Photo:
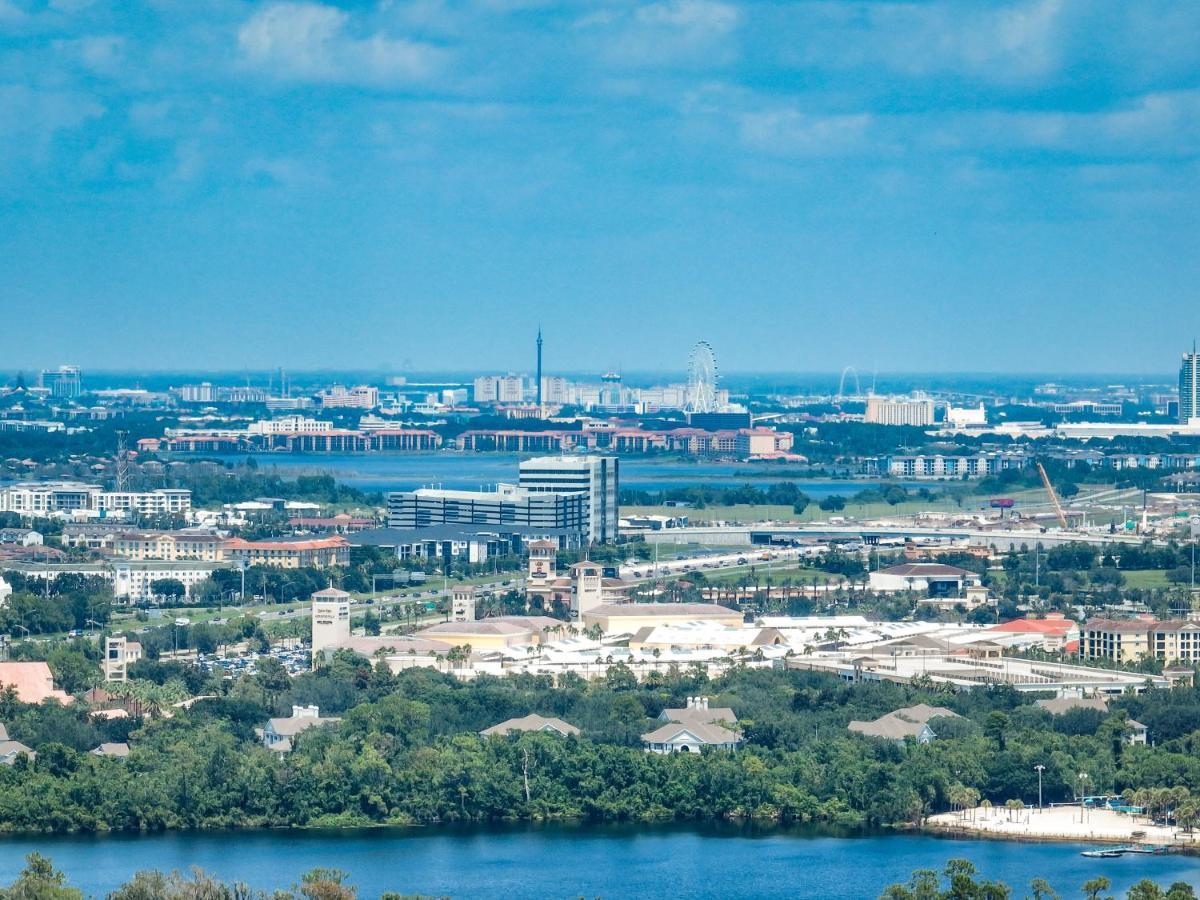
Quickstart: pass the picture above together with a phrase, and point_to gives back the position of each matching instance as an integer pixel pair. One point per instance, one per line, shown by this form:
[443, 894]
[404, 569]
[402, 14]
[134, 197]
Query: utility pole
[122, 480]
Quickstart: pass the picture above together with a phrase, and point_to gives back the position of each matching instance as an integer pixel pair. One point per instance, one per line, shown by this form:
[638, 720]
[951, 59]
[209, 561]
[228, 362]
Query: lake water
[459, 471]
[562, 861]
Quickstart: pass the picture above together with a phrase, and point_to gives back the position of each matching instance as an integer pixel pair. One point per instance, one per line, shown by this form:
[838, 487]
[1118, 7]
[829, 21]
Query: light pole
[1082, 778]
[1040, 769]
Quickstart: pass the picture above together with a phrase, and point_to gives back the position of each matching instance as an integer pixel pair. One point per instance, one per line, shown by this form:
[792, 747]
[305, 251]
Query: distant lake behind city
[462, 471]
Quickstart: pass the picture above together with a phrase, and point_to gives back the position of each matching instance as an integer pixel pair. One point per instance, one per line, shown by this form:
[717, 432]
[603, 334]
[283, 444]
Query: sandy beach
[1060, 823]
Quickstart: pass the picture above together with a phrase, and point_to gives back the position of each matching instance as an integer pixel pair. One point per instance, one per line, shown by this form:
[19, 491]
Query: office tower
[65, 382]
[594, 476]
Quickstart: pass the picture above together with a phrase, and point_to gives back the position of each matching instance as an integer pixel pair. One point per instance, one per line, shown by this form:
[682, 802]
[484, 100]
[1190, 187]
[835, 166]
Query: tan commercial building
[1130, 640]
[493, 634]
[320, 553]
[169, 545]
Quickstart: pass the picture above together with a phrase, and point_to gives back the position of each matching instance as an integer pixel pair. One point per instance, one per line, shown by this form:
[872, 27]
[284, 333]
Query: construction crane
[1058, 510]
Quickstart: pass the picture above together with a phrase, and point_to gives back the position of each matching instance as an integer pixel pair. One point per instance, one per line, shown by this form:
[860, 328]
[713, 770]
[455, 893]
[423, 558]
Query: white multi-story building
[65, 382]
[133, 580]
[965, 417]
[596, 477]
[44, 499]
[289, 425]
[338, 397]
[899, 411]
[161, 501]
[197, 393]
[499, 389]
[556, 390]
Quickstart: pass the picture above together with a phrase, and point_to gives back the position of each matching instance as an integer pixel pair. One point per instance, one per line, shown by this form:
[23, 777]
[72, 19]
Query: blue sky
[907, 186]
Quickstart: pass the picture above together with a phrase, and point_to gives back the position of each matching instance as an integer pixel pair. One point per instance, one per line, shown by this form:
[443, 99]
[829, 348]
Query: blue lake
[560, 861]
[383, 472]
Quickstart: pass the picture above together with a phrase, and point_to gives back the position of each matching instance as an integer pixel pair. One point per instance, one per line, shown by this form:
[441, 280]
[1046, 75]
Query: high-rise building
[1189, 387]
[594, 476]
[65, 382]
[899, 411]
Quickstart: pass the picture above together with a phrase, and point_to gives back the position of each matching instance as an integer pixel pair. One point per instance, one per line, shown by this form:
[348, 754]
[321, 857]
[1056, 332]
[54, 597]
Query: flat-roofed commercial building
[595, 477]
[507, 505]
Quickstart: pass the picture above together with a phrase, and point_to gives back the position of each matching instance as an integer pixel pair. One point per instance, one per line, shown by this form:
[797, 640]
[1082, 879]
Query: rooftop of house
[704, 732]
[10, 749]
[301, 719]
[118, 750]
[901, 723]
[33, 682]
[532, 722]
[1059, 705]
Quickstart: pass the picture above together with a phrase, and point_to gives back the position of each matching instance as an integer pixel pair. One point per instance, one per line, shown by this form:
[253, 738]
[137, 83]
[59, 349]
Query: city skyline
[911, 187]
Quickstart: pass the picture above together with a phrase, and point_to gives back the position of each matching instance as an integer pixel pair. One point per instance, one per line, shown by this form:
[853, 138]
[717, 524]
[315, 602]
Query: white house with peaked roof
[693, 728]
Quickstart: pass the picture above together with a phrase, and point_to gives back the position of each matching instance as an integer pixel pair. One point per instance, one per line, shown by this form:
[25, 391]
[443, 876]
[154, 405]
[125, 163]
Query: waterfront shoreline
[1056, 825]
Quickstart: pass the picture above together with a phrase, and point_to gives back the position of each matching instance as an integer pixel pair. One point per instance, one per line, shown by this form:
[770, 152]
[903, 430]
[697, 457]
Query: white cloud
[31, 120]
[313, 42]
[664, 32]
[998, 42]
[1152, 125]
[102, 54]
[789, 132]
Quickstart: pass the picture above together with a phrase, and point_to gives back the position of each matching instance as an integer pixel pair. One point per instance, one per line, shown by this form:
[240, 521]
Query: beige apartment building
[1130, 640]
[282, 553]
[169, 545]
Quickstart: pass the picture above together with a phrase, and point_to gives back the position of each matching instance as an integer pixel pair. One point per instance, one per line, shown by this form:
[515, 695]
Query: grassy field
[1146, 578]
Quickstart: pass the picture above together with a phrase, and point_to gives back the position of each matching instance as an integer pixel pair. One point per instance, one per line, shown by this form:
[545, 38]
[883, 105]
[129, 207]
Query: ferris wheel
[702, 379]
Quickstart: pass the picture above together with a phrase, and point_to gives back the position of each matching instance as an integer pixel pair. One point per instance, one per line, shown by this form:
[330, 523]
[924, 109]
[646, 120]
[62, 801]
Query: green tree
[39, 880]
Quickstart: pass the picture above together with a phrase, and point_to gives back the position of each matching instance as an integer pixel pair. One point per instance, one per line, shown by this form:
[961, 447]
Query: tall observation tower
[539, 371]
